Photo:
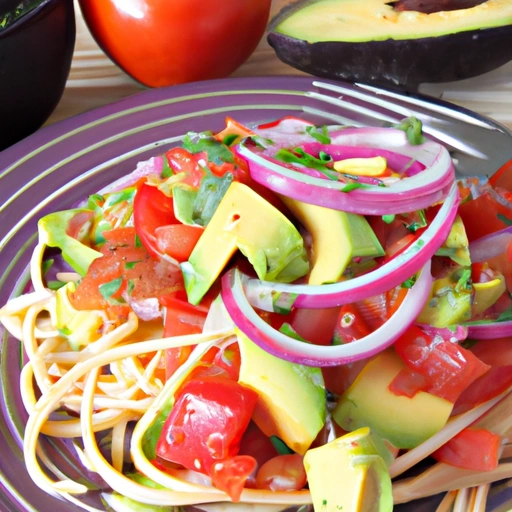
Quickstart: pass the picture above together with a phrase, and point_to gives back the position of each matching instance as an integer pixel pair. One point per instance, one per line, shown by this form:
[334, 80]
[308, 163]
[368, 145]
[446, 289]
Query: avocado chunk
[337, 238]
[404, 422]
[456, 246]
[359, 40]
[349, 474]
[245, 221]
[486, 294]
[79, 327]
[57, 230]
[291, 397]
[448, 304]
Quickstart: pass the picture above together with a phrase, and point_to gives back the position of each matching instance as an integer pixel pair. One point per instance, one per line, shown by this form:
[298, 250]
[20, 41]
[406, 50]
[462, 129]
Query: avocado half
[383, 43]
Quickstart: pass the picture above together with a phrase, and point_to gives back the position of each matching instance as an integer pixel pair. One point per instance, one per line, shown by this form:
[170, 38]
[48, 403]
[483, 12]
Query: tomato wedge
[177, 240]
[472, 448]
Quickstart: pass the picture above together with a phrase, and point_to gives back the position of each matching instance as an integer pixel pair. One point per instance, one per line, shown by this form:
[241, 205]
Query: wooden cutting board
[95, 81]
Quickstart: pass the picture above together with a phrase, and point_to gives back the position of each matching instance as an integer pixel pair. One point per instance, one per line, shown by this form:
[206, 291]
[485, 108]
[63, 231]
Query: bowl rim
[26, 18]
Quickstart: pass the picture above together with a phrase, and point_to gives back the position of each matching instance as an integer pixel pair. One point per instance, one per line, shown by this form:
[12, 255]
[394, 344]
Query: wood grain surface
[95, 81]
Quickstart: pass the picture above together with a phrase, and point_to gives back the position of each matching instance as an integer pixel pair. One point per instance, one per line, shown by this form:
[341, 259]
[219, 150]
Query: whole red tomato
[167, 42]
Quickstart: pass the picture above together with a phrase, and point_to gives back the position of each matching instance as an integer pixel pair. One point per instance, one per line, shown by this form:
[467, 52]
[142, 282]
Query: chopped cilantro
[299, 156]
[131, 286]
[217, 152]
[505, 220]
[412, 127]
[388, 219]
[167, 170]
[55, 285]
[109, 289]
[409, 283]
[280, 446]
[229, 139]
[319, 134]
[464, 282]
[138, 243]
[47, 265]
[352, 186]
[131, 264]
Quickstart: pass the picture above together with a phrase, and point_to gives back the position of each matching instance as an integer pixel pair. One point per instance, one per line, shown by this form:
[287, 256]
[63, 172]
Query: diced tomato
[181, 318]
[230, 475]
[448, 367]
[408, 383]
[151, 210]
[256, 444]
[182, 161]
[484, 215]
[316, 325]
[177, 240]
[472, 448]
[282, 473]
[233, 128]
[498, 354]
[122, 259]
[274, 124]
[502, 178]
[350, 325]
[204, 430]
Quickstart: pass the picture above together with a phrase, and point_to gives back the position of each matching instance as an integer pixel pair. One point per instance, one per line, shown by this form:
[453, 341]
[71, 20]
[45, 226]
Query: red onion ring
[280, 345]
[262, 294]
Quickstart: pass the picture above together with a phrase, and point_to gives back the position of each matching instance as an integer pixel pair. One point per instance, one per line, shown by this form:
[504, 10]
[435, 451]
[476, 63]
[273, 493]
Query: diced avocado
[245, 221]
[404, 422]
[291, 397]
[78, 327]
[349, 474]
[486, 294]
[56, 230]
[447, 305]
[456, 246]
[337, 238]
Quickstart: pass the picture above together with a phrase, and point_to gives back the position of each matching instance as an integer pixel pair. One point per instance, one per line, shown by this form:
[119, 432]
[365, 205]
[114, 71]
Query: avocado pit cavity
[431, 6]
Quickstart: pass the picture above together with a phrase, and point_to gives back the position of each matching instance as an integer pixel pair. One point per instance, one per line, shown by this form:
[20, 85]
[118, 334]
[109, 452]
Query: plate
[59, 166]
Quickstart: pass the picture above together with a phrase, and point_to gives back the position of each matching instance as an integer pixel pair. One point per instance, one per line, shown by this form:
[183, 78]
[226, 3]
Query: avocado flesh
[337, 238]
[349, 474]
[404, 422]
[296, 421]
[245, 221]
[376, 20]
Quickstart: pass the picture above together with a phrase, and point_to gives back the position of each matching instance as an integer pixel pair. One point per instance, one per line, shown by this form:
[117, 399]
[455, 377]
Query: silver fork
[478, 145]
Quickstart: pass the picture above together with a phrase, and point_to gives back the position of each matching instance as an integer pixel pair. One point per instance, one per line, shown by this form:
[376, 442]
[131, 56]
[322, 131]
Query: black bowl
[35, 58]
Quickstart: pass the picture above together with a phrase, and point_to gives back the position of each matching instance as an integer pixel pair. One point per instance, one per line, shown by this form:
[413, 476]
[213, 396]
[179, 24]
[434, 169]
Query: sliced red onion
[280, 345]
[263, 294]
[490, 246]
[426, 186]
[490, 331]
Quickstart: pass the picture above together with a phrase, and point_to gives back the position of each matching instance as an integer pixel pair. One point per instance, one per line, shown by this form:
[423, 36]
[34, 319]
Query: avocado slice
[349, 474]
[245, 221]
[337, 238]
[404, 422]
[291, 397]
[359, 40]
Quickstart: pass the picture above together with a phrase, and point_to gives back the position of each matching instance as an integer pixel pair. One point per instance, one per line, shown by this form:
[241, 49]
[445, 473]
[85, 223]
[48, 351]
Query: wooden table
[95, 81]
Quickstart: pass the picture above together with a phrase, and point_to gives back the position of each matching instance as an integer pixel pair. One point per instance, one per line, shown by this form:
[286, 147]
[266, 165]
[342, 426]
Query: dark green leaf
[505, 220]
[167, 170]
[388, 219]
[217, 152]
[138, 243]
[280, 446]
[114, 198]
[229, 139]
[409, 283]
[464, 282]
[289, 331]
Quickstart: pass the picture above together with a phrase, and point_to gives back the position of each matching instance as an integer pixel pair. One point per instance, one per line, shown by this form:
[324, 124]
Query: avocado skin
[403, 63]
